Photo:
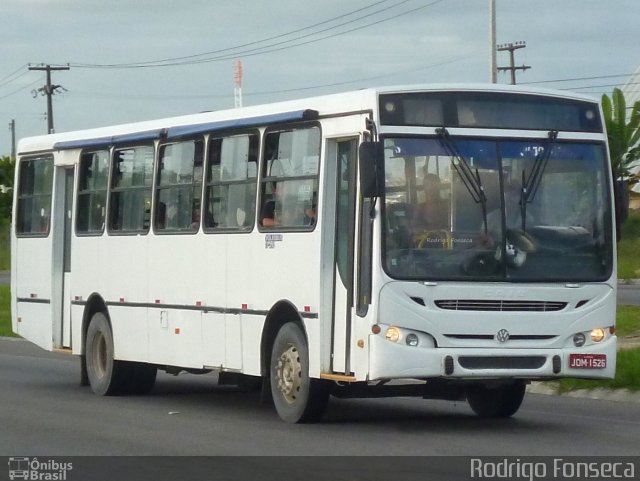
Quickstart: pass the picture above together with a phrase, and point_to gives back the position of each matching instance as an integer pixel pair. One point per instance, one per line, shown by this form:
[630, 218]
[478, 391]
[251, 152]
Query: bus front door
[61, 288]
[343, 265]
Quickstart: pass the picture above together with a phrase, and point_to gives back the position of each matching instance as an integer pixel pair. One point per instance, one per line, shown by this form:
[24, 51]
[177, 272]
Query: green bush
[5, 246]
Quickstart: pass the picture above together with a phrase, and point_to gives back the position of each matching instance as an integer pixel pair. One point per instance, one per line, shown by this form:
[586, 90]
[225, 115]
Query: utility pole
[12, 128]
[511, 47]
[493, 75]
[48, 90]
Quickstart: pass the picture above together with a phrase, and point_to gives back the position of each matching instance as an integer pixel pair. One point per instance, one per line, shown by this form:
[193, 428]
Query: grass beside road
[627, 375]
[628, 363]
[628, 248]
[5, 312]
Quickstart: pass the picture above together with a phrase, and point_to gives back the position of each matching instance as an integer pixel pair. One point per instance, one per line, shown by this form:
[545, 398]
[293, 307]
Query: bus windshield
[499, 210]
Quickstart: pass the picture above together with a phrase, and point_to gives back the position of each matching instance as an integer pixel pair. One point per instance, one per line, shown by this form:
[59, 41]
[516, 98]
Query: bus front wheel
[297, 398]
[501, 401]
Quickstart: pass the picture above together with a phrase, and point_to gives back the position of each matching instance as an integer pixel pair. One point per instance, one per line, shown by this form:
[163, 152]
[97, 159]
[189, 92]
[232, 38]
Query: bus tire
[297, 398]
[496, 402]
[106, 375]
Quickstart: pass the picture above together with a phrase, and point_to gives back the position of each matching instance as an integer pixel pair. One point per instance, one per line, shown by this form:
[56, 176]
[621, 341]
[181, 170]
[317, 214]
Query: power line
[281, 91]
[24, 87]
[7, 79]
[228, 49]
[578, 78]
[601, 86]
[273, 47]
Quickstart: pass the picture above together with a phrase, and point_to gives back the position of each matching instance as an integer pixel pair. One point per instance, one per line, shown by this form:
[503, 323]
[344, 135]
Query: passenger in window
[195, 218]
[309, 218]
[430, 214]
[268, 211]
[161, 216]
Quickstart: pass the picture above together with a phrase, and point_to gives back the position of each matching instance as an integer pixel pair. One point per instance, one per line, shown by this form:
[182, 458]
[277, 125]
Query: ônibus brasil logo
[36, 470]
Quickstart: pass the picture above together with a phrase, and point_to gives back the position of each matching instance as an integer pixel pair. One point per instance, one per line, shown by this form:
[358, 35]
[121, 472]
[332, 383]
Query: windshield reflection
[530, 210]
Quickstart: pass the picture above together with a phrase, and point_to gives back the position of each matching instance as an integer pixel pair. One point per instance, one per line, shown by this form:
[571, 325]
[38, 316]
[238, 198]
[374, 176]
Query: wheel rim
[100, 355]
[289, 374]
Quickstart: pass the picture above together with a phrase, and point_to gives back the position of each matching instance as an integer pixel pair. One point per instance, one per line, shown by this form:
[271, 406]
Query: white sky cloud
[444, 42]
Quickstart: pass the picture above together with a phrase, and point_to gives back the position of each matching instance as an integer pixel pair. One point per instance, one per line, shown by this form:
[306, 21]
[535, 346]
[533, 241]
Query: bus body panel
[201, 300]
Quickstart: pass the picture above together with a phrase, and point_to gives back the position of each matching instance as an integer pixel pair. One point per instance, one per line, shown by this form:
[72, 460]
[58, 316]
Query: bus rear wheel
[106, 375]
[297, 398]
[496, 401]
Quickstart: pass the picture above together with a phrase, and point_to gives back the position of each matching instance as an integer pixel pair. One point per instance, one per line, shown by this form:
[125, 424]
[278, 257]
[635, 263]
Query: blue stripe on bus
[186, 130]
[107, 141]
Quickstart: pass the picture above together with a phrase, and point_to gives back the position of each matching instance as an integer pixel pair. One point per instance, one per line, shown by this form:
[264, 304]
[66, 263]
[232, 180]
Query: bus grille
[501, 362]
[498, 305]
[513, 337]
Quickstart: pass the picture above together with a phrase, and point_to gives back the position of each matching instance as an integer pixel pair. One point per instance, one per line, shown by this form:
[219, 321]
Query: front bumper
[388, 360]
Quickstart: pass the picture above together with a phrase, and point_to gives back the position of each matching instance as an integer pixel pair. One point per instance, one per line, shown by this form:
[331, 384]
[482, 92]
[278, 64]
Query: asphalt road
[46, 412]
[629, 294]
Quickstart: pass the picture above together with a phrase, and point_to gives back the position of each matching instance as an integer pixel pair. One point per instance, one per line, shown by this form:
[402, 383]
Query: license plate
[587, 361]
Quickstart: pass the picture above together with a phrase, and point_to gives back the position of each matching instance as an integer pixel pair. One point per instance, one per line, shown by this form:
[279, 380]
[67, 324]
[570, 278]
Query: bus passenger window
[179, 186]
[231, 183]
[131, 181]
[289, 186]
[92, 192]
[34, 196]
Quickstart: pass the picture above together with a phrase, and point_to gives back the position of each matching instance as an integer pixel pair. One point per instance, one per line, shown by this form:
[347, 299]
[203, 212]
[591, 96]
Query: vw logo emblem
[502, 335]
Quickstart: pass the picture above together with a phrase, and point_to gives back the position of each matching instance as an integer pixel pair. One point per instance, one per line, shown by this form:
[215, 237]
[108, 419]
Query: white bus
[450, 242]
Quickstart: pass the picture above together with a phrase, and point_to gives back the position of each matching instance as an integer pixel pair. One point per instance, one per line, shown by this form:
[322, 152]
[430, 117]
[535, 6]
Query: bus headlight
[579, 339]
[597, 335]
[392, 334]
[402, 336]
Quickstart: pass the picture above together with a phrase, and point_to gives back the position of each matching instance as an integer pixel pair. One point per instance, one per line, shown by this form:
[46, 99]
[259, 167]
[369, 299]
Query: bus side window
[179, 186]
[231, 183]
[34, 196]
[92, 192]
[131, 182]
[289, 184]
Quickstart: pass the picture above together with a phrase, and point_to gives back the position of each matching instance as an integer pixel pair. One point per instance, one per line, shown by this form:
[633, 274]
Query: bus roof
[353, 101]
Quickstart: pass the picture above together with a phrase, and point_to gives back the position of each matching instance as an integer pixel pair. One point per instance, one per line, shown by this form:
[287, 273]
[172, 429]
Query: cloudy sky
[141, 59]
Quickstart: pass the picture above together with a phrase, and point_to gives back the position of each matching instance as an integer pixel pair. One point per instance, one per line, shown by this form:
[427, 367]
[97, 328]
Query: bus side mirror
[371, 157]
[621, 195]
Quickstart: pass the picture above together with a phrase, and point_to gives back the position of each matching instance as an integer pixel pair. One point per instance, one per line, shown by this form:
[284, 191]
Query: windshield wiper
[530, 186]
[471, 181]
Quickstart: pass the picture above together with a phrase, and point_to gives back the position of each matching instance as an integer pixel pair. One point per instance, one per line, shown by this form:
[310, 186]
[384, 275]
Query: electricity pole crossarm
[49, 90]
[511, 47]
